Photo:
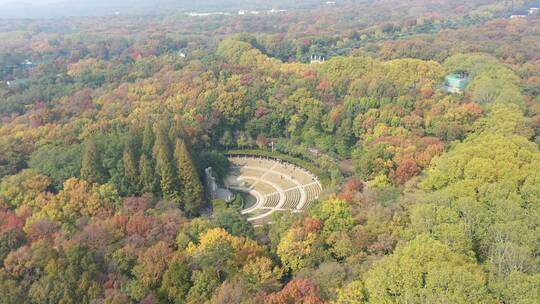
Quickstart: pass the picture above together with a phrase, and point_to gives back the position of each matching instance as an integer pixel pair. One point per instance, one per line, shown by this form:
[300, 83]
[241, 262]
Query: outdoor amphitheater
[276, 185]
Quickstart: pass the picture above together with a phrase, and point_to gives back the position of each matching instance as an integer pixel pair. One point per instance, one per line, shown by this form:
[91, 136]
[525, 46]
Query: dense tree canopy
[430, 196]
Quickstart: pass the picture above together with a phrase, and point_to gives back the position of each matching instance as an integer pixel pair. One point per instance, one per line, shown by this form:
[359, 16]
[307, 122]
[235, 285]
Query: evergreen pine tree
[147, 180]
[167, 178]
[92, 168]
[191, 186]
[148, 138]
[161, 140]
[130, 167]
[174, 132]
[164, 167]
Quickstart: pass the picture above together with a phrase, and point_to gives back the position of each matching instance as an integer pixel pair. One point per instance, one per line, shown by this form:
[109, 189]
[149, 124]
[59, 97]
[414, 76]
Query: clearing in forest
[277, 185]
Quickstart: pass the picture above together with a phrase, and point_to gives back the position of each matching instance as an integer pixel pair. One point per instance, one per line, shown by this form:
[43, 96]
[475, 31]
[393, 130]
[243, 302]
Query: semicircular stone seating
[275, 184]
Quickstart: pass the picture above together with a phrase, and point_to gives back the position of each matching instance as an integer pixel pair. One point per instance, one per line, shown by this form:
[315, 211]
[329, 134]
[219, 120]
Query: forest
[107, 124]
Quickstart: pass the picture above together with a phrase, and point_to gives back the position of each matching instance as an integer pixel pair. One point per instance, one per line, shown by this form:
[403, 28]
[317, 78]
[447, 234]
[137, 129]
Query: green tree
[226, 139]
[168, 181]
[58, 162]
[164, 166]
[219, 162]
[204, 284]
[131, 171]
[234, 222]
[176, 281]
[443, 224]
[191, 231]
[23, 188]
[491, 81]
[490, 183]
[69, 279]
[517, 287]
[11, 290]
[302, 247]
[147, 179]
[215, 251]
[152, 264]
[9, 241]
[148, 138]
[191, 186]
[335, 215]
[426, 271]
[92, 168]
[352, 293]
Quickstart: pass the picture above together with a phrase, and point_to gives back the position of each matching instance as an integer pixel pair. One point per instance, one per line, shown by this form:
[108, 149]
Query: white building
[317, 59]
[245, 12]
[195, 14]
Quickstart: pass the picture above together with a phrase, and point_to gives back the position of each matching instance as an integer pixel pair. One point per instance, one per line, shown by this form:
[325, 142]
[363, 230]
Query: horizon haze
[36, 9]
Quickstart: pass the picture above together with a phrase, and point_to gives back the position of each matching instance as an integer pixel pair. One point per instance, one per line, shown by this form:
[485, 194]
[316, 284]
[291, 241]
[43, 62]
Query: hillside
[347, 168]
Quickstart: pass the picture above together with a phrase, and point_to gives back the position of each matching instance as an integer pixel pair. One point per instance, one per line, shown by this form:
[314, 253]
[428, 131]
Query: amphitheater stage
[277, 186]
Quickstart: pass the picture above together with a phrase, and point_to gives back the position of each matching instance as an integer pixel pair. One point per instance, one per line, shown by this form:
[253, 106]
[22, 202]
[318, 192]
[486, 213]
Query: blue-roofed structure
[456, 83]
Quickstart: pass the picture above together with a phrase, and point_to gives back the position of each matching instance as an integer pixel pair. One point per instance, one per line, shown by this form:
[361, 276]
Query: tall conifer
[191, 186]
[92, 168]
[164, 166]
[148, 138]
[131, 171]
[147, 179]
[167, 178]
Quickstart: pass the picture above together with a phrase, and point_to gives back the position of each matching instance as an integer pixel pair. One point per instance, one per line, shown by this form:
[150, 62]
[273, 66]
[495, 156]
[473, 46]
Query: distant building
[266, 12]
[27, 62]
[317, 59]
[245, 12]
[456, 83]
[195, 14]
[517, 16]
[330, 3]
[534, 11]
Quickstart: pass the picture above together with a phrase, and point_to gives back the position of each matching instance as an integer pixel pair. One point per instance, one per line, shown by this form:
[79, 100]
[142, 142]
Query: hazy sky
[28, 1]
[65, 8]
